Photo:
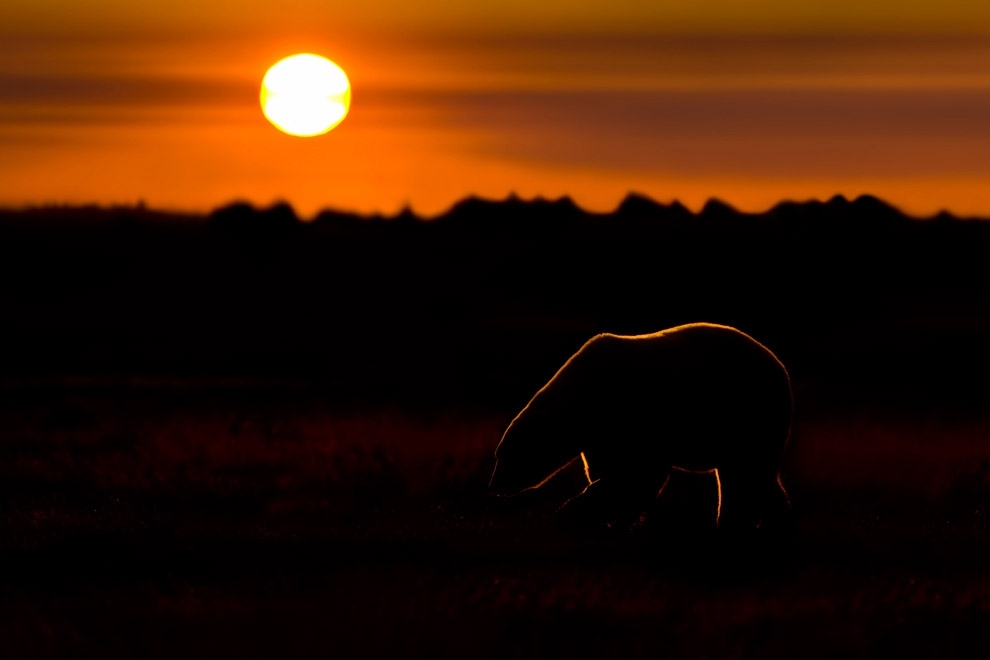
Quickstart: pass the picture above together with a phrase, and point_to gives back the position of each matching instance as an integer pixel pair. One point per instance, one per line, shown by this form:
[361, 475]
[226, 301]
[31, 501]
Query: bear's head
[534, 447]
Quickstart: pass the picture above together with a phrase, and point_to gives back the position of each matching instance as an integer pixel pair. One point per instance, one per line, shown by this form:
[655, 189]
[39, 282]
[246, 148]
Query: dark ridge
[281, 216]
[641, 207]
[91, 214]
[478, 208]
[406, 215]
[716, 209]
[329, 217]
[875, 205]
[259, 233]
[868, 206]
[242, 216]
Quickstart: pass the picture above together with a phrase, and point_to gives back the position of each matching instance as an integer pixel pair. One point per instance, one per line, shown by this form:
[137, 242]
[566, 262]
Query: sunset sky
[750, 101]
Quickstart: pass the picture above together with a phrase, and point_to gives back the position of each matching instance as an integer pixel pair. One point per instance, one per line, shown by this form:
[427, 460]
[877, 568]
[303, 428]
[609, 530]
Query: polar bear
[699, 397]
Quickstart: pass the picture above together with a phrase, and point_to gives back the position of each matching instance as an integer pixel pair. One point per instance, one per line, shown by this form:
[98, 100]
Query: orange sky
[113, 102]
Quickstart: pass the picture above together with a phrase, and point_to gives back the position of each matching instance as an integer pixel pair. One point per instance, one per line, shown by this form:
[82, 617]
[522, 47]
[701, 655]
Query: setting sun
[305, 95]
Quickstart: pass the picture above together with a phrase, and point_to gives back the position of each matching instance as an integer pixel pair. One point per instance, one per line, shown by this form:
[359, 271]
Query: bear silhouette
[699, 397]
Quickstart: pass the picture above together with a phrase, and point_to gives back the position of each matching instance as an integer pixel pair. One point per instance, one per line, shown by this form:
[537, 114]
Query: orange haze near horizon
[751, 103]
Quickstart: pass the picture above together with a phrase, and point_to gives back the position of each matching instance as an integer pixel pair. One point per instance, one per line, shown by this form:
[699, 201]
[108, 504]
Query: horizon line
[407, 210]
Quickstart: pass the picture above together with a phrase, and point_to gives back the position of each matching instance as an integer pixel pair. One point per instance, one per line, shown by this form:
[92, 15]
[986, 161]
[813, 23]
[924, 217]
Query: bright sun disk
[305, 95]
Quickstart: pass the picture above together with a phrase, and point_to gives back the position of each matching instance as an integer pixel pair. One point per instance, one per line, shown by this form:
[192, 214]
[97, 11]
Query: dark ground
[253, 437]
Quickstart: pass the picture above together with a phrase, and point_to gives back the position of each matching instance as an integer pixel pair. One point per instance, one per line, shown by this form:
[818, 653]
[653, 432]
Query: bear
[700, 397]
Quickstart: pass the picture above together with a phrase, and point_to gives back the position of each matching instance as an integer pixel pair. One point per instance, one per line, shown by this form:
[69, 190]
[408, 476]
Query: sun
[305, 95]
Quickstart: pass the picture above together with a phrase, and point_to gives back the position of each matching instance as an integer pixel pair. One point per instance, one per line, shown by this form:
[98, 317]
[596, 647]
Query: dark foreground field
[164, 521]
[247, 436]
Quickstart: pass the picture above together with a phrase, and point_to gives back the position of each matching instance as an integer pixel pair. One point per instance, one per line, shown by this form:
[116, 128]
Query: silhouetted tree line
[483, 303]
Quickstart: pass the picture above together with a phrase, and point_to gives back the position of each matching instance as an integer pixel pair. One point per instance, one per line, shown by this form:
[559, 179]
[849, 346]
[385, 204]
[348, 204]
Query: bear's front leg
[613, 502]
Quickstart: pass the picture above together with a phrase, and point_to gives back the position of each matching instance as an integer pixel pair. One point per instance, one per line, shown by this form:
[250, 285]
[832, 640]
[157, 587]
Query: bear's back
[705, 353]
[693, 391]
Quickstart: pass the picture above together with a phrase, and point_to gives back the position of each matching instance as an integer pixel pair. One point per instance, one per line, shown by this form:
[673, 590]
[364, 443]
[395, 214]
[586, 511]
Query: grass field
[156, 520]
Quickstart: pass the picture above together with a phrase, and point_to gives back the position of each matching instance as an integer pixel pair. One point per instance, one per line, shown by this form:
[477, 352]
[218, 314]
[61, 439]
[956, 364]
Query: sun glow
[305, 95]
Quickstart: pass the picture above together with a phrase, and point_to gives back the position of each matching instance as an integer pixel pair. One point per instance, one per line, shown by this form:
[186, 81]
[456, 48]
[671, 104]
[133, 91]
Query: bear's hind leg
[749, 498]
